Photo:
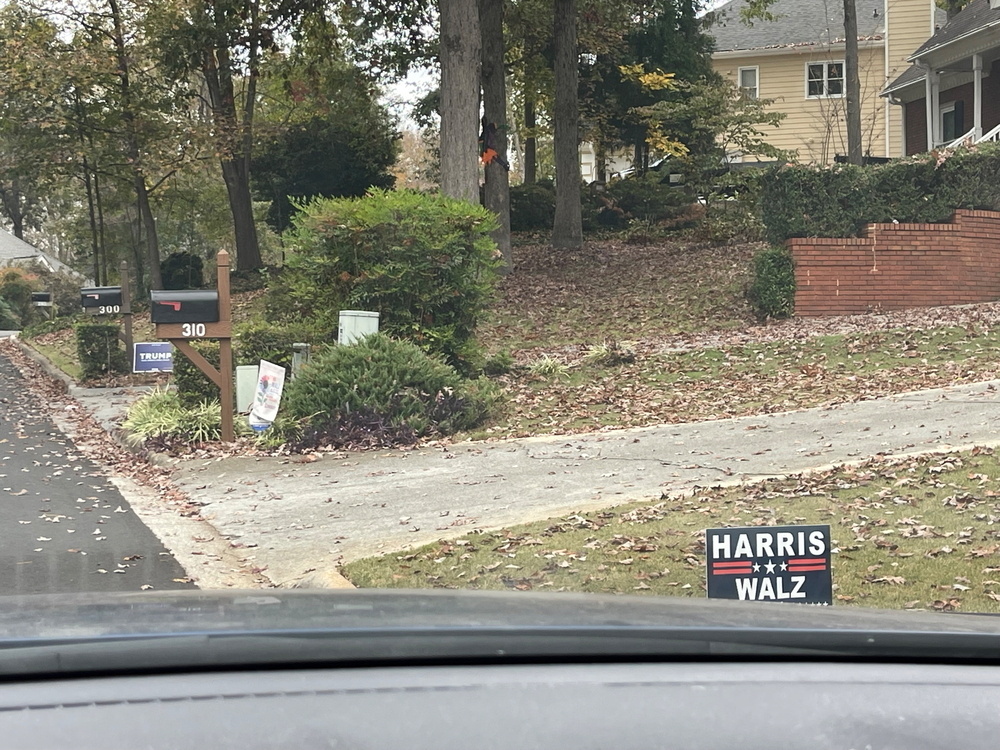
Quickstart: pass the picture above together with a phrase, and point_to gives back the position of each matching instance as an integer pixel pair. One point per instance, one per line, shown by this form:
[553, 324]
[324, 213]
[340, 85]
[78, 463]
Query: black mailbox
[98, 298]
[41, 299]
[184, 306]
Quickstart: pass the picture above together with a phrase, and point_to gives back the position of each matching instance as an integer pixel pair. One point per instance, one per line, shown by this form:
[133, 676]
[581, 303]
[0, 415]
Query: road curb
[50, 369]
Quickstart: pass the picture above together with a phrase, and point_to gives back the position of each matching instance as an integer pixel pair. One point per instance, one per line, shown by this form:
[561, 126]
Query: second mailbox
[96, 297]
[184, 306]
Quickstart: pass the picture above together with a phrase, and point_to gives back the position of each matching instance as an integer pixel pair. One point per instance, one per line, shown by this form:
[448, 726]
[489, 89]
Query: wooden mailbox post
[196, 325]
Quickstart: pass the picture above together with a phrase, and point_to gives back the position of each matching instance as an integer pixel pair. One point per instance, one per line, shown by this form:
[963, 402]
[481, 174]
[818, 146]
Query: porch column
[936, 106]
[928, 103]
[977, 87]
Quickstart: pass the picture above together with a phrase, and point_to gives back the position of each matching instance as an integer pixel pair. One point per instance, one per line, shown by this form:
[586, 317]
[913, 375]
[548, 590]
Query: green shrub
[99, 350]
[532, 207]
[772, 291]
[162, 415]
[43, 327]
[803, 201]
[968, 178]
[905, 190]
[732, 209]
[807, 201]
[193, 386]
[62, 285]
[425, 263]
[182, 270]
[391, 385]
[263, 340]
[9, 320]
[15, 291]
[499, 363]
[646, 198]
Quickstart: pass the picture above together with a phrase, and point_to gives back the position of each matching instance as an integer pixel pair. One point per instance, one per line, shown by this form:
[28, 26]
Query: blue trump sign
[153, 356]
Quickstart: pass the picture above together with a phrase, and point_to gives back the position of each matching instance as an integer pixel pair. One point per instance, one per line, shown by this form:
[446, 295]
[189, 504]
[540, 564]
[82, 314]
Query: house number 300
[192, 330]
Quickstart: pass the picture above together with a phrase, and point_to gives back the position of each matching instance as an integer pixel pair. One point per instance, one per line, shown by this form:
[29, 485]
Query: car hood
[177, 630]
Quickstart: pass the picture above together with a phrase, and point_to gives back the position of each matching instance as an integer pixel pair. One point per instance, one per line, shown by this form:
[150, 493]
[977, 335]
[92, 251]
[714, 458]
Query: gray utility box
[107, 297]
[355, 325]
[184, 306]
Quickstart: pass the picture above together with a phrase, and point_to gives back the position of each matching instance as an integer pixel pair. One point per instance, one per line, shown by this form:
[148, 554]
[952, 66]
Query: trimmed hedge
[99, 350]
[262, 340]
[837, 201]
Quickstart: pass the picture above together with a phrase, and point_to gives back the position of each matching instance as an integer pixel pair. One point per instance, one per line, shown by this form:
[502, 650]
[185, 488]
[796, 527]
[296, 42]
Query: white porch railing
[993, 135]
[969, 137]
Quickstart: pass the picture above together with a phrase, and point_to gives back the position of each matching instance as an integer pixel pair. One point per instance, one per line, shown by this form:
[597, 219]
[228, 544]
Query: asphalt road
[63, 526]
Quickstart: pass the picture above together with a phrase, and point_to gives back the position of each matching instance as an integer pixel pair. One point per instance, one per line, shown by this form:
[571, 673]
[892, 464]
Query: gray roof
[973, 16]
[976, 15]
[911, 75]
[797, 23]
[15, 252]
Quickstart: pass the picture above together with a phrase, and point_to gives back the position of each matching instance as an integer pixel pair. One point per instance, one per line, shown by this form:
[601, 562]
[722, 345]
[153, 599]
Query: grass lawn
[571, 391]
[916, 533]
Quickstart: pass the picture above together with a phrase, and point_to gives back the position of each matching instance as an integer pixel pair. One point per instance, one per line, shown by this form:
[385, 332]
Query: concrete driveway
[302, 517]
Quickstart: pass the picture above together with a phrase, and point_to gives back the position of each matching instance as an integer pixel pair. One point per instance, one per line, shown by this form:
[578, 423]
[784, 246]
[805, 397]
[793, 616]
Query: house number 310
[192, 330]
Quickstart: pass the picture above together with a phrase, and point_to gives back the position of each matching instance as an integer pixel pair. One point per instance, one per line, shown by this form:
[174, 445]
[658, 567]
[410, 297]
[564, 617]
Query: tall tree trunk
[14, 206]
[102, 239]
[460, 60]
[237, 180]
[497, 189]
[141, 288]
[853, 83]
[530, 141]
[567, 231]
[92, 213]
[134, 152]
[236, 137]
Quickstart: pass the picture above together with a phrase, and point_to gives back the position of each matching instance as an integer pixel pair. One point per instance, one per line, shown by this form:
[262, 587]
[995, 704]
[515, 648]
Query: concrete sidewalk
[303, 518]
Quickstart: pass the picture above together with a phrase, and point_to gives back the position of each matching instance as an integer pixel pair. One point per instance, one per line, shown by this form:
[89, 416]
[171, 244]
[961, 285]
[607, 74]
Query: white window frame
[756, 80]
[826, 79]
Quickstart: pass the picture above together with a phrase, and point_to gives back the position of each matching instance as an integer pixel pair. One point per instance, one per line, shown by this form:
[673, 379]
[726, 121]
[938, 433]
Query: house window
[952, 121]
[748, 82]
[825, 79]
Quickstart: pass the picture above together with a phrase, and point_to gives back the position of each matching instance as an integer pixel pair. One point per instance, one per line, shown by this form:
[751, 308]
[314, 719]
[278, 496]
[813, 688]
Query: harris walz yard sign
[770, 563]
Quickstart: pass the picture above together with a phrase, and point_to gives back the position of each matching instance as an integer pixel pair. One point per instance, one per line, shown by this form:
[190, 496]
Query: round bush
[532, 207]
[425, 263]
[400, 390]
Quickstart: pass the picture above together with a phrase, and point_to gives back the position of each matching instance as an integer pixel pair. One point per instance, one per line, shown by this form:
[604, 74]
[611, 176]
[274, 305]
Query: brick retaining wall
[898, 266]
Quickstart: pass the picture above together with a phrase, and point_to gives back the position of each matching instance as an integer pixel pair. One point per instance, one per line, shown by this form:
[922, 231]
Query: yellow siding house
[797, 60]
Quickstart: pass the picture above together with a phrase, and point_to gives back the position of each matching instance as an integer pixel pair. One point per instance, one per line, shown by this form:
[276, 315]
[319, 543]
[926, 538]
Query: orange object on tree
[488, 145]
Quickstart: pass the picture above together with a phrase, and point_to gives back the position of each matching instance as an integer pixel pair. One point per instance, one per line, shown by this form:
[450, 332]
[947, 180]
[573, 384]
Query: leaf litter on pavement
[907, 533]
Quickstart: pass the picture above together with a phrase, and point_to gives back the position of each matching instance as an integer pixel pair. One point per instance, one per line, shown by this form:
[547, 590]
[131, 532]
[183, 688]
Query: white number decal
[109, 309]
[192, 330]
